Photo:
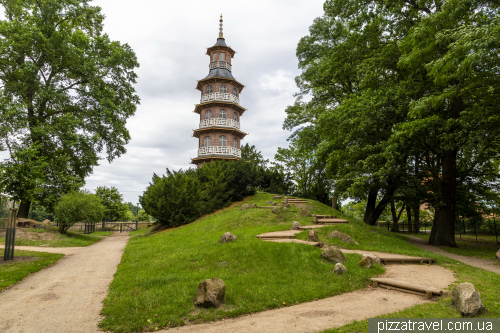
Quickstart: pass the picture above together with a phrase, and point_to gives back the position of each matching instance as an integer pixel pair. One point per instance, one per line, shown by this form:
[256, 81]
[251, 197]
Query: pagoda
[219, 134]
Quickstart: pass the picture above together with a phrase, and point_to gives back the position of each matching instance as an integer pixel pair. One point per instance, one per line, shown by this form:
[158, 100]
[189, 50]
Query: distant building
[219, 134]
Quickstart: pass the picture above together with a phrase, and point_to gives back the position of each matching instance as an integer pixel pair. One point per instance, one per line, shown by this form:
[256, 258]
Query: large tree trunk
[408, 214]
[370, 204]
[335, 200]
[386, 199]
[416, 222]
[395, 218]
[443, 228]
[24, 210]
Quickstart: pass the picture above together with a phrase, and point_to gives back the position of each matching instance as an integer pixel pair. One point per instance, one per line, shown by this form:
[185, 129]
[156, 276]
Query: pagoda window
[222, 141]
[208, 114]
[222, 57]
[235, 116]
[235, 143]
[223, 114]
[207, 141]
[223, 89]
[214, 56]
[235, 93]
[209, 89]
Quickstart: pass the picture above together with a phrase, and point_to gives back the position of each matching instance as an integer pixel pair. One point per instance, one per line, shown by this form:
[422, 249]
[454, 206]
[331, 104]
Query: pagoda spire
[221, 35]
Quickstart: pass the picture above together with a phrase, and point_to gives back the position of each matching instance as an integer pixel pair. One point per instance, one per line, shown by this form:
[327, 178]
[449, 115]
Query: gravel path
[67, 296]
[471, 261]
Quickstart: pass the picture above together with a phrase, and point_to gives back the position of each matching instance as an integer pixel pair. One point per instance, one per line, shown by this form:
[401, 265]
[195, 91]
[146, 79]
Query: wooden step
[316, 226]
[266, 207]
[404, 260]
[328, 221]
[286, 234]
[406, 287]
[298, 241]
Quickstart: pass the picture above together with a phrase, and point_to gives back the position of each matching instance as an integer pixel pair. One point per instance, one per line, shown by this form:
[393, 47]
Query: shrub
[78, 206]
[174, 199]
[143, 216]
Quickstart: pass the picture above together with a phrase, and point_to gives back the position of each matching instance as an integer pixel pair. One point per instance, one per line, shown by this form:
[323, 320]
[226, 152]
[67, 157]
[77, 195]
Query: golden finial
[220, 27]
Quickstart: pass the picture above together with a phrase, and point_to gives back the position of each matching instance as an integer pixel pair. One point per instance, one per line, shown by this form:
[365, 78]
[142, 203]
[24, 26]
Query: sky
[170, 40]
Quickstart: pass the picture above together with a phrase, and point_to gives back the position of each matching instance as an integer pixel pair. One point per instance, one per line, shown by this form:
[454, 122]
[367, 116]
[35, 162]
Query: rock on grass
[334, 255]
[467, 300]
[210, 293]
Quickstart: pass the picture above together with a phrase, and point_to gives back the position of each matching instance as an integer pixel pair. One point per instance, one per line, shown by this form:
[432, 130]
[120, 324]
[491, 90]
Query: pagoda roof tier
[212, 104]
[234, 131]
[198, 160]
[218, 77]
[221, 46]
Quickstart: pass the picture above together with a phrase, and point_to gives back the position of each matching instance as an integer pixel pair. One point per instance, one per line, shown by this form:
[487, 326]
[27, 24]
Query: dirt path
[334, 311]
[67, 296]
[475, 262]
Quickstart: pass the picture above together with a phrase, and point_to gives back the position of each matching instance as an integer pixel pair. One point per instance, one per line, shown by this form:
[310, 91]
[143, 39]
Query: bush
[143, 216]
[78, 206]
[181, 197]
[174, 199]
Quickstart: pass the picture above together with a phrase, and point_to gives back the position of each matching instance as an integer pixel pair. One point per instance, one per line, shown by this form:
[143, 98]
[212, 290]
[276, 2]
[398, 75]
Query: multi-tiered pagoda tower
[219, 133]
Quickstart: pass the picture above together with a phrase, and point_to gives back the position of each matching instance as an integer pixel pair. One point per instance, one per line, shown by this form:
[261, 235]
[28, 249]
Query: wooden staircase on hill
[328, 219]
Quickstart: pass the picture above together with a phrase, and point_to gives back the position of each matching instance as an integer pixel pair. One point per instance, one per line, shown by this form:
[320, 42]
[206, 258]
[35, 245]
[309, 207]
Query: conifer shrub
[180, 197]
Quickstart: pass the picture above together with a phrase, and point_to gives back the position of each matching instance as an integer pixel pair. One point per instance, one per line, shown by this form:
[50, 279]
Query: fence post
[10, 235]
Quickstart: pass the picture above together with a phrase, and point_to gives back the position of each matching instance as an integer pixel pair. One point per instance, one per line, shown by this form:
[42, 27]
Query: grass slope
[157, 278]
[15, 272]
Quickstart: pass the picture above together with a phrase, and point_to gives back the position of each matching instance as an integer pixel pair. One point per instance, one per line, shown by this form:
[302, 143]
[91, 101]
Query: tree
[66, 87]
[143, 216]
[77, 206]
[112, 200]
[129, 216]
[133, 208]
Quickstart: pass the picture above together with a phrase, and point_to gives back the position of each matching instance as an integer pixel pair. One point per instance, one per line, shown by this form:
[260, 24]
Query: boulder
[276, 210]
[374, 257]
[333, 255]
[285, 200]
[269, 202]
[227, 237]
[467, 300]
[312, 236]
[367, 261]
[339, 269]
[210, 293]
[296, 225]
[498, 255]
[285, 205]
[277, 197]
[304, 213]
[245, 206]
[46, 221]
[254, 205]
[274, 203]
[343, 237]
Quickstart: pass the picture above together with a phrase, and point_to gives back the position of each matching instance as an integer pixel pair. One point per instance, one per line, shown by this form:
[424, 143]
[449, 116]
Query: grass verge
[53, 238]
[15, 272]
[157, 278]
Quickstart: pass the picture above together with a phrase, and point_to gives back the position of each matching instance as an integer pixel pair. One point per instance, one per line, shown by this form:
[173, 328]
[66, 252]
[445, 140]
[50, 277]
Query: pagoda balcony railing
[220, 64]
[217, 96]
[224, 122]
[218, 150]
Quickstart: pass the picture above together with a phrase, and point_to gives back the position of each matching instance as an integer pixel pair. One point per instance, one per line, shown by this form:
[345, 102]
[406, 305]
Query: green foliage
[129, 216]
[133, 208]
[173, 199]
[143, 216]
[67, 87]
[37, 213]
[78, 206]
[180, 197]
[112, 200]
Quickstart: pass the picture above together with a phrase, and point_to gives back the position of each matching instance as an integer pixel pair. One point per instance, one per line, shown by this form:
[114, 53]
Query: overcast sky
[170, 39]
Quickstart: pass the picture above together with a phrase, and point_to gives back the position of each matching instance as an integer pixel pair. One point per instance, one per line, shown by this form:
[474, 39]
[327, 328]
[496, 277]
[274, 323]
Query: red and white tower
[219, 132]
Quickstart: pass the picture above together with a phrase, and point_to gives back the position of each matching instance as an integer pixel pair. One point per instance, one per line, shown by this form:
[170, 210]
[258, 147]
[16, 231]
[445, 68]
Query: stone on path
[374, 257]
[304, 213]
[210, 293]
[296, 225]
[227, 237]
[254, 205]
[276, 210]
[498, 255]
[343, 237]
[467, 300]
[245, 206]
[312, 236]
[339, 269]
[333, 255]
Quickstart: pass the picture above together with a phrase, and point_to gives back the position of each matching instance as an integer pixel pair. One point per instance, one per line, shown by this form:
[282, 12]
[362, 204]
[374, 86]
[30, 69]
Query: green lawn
[158, 275]
[71, 239]
[484, 248]
[15, 272]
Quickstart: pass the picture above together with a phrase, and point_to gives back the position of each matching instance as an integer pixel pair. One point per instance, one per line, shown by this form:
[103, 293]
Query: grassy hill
[156, 280]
